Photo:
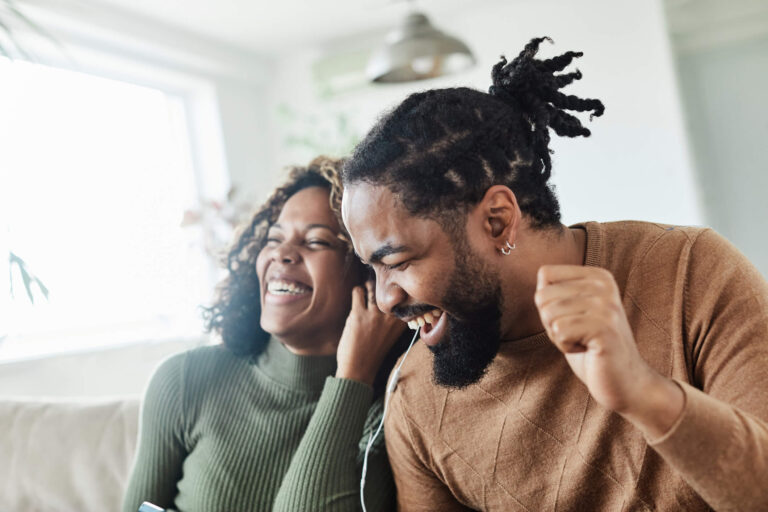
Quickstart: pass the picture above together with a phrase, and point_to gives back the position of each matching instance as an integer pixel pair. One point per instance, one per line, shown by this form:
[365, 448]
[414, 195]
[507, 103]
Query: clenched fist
[581, 310]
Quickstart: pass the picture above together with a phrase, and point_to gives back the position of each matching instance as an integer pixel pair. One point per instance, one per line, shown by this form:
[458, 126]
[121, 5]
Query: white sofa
[59, 456]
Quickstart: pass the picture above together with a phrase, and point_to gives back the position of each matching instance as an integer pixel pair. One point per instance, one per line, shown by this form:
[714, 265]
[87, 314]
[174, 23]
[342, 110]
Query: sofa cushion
[66, 456]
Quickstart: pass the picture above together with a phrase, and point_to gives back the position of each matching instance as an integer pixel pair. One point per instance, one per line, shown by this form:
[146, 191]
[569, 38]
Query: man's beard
[473, 299]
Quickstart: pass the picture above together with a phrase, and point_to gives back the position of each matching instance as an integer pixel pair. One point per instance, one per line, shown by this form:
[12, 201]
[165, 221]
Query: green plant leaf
[27, 279]
[26, 276]
[42, 287]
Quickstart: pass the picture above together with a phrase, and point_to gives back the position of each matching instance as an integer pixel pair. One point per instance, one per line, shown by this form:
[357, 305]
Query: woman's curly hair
[236, 312]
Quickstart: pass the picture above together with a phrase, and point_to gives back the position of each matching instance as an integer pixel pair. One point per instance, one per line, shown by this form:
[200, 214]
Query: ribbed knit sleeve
[325, 471]
[160, 452]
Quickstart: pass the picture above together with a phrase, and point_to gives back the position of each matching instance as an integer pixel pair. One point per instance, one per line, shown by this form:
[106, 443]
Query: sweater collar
[594, 250]
[301, 373]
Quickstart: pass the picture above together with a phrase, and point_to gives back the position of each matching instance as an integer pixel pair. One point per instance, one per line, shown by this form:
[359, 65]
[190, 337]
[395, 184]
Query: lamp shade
[416, 50]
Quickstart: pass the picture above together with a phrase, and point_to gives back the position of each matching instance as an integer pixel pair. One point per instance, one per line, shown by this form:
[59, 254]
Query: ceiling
[260, 26]
[697, 24]
[271, 28]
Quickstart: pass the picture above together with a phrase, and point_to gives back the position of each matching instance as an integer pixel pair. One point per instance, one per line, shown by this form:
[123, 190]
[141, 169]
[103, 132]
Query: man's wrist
[657, 407]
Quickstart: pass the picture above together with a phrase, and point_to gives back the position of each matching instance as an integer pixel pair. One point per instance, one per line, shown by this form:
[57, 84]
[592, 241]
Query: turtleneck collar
[302, 373]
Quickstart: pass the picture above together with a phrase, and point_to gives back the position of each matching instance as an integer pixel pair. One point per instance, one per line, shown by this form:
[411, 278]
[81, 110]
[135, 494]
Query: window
[95, 175]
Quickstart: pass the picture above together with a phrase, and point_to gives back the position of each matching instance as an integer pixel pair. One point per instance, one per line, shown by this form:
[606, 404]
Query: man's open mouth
[425, 321]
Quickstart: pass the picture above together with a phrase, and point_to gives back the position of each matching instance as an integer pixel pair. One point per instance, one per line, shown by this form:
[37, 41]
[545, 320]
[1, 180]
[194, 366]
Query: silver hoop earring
[506, 251]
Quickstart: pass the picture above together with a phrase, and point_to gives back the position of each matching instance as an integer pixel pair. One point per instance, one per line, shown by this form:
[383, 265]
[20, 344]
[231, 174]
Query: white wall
[725, 96]
[635, 165]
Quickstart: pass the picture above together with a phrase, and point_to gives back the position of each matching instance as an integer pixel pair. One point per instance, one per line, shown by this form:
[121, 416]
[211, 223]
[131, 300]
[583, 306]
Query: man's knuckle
[604, 274]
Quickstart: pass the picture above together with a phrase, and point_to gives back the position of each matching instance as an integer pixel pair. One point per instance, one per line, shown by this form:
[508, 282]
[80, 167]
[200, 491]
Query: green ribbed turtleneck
[224, 433]
[300, 373]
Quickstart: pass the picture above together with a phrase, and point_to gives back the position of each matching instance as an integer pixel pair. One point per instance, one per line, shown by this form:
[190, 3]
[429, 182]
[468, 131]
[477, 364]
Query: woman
[261, 422]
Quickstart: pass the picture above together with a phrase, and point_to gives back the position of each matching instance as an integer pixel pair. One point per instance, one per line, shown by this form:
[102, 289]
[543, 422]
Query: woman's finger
[358, 298]
[370, 287]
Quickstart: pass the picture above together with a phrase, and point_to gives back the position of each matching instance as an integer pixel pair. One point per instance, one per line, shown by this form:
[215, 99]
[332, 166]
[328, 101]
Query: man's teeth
[426, 318]
[286, 288]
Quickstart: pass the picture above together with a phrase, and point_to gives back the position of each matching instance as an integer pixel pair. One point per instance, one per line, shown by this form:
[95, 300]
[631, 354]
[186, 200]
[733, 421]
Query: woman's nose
[286, 253]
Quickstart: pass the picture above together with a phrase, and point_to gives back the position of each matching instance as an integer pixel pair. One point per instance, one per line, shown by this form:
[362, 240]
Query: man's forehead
[364, 204]
[370, 193]
[371, 215]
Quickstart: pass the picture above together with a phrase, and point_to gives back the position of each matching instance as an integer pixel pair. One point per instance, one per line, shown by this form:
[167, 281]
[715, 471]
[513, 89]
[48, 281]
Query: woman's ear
[500, 215]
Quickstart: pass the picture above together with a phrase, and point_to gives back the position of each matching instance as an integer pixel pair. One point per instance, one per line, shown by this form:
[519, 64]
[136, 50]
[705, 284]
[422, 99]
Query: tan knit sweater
[529, 437]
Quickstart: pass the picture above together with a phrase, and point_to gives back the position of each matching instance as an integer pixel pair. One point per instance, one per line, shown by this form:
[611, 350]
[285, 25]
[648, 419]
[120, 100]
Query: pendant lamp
[416, 50]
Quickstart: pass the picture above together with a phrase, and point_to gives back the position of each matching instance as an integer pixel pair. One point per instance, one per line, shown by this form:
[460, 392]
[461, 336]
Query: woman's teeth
[426, 318]
[286, 288]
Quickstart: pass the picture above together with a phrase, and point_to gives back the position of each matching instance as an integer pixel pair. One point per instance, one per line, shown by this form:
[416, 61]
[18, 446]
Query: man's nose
[388, 293]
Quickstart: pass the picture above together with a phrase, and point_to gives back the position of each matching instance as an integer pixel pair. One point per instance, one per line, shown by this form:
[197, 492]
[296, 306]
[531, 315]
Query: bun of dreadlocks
[531, 86]
[441, 149]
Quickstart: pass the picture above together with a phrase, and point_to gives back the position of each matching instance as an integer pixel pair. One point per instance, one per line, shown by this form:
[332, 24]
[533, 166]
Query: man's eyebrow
[385, 250]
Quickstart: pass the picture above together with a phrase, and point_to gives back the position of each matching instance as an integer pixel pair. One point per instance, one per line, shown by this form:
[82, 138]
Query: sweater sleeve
[325, 471]
[418, 488]
[720, 442]
[161, 451]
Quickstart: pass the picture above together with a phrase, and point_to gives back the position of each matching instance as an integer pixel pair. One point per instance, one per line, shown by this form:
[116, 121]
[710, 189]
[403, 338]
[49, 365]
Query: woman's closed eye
[317, 243]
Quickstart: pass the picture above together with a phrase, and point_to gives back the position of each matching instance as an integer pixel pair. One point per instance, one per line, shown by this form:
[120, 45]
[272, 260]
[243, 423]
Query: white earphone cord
[372, 437]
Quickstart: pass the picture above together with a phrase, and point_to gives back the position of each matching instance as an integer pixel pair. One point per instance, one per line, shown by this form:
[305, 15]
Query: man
[619, 366]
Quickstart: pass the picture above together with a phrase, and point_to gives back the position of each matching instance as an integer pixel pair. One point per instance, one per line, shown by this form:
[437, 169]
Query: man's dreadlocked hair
[442, 149]
[236, 313]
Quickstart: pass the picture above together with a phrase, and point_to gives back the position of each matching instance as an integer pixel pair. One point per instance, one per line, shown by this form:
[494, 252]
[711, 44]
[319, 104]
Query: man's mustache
[406, 312]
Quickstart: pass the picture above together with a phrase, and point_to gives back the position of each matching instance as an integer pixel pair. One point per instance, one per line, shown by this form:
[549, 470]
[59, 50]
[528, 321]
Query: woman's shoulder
[188, 383]
[200, 366]
[212, 355]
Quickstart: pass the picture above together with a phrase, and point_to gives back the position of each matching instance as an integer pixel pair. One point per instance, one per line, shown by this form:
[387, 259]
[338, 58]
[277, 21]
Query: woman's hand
[368, 335]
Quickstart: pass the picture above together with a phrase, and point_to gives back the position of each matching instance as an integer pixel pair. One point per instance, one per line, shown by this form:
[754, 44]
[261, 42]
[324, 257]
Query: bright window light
[95, 175]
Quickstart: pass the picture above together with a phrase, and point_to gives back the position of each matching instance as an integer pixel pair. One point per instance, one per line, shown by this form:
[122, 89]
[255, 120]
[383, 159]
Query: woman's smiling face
[305, 276]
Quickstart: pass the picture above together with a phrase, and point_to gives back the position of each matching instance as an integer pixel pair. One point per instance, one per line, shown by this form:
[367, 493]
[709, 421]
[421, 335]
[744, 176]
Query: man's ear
[500, 215]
